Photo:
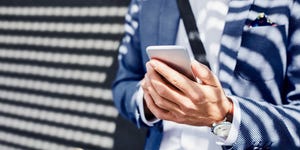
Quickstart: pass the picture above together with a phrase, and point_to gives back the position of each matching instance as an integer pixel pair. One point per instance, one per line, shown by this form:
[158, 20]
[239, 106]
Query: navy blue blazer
[259, 67]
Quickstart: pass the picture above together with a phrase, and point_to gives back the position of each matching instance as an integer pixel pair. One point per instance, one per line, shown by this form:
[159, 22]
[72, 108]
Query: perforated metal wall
[57, 61]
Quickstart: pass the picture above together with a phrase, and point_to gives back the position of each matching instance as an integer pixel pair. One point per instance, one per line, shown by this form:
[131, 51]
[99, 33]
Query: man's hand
[171, 96]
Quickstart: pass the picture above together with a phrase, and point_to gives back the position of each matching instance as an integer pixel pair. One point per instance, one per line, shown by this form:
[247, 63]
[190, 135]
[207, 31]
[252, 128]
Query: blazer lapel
[149, 23]
[168, 23]
[231, 39]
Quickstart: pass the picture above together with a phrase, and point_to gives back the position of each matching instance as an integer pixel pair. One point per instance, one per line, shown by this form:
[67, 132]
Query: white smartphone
[177, 57]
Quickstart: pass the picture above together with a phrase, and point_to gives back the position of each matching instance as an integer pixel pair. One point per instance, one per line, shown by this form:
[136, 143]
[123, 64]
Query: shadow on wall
[56, 64]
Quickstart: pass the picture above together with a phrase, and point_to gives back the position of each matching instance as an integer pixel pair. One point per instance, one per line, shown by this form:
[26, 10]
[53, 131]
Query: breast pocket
[262, 53]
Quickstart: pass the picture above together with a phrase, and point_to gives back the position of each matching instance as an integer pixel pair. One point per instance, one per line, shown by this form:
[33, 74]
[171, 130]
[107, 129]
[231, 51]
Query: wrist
[222, 128]
[230, 111]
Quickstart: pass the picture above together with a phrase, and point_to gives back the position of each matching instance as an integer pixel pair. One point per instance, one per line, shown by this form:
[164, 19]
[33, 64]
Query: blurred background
[57, 62]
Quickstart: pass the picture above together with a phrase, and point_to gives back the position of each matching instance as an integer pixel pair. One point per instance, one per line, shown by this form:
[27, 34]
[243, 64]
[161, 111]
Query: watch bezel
[225, 125]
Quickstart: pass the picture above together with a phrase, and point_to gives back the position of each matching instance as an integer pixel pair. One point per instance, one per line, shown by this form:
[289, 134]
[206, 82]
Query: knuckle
[159, 116]
[196, 97]
[175, 82]
[161, 91]
[143, 84]
[158, 103]
[159, 87]
[206, 77]
[184, 108]
[156, 112]
[162, 116]
[187, 109]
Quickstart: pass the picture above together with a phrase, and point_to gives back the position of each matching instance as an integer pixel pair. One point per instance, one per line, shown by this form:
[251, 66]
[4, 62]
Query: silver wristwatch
[221, 129]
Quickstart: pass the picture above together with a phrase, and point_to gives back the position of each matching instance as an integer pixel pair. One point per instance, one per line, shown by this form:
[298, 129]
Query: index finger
[174, 77]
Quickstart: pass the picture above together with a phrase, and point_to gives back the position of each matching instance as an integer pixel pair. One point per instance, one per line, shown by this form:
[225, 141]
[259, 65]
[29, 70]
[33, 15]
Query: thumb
[203, 73]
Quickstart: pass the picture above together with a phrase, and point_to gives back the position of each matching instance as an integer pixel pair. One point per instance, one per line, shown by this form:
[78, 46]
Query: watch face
[222, 129]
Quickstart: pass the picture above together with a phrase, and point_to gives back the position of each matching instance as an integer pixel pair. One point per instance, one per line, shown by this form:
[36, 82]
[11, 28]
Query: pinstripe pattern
[259, 67]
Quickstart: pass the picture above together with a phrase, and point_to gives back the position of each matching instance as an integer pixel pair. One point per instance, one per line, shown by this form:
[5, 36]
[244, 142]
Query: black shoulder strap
[189, 22]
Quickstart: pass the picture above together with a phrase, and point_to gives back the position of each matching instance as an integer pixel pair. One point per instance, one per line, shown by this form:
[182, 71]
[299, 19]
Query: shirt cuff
[140, 104]
[236, 121]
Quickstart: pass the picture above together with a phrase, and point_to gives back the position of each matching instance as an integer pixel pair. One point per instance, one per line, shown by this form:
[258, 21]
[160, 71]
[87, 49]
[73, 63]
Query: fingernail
[149, 66]
[194, 61]
[153, 64]
[198, 80]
